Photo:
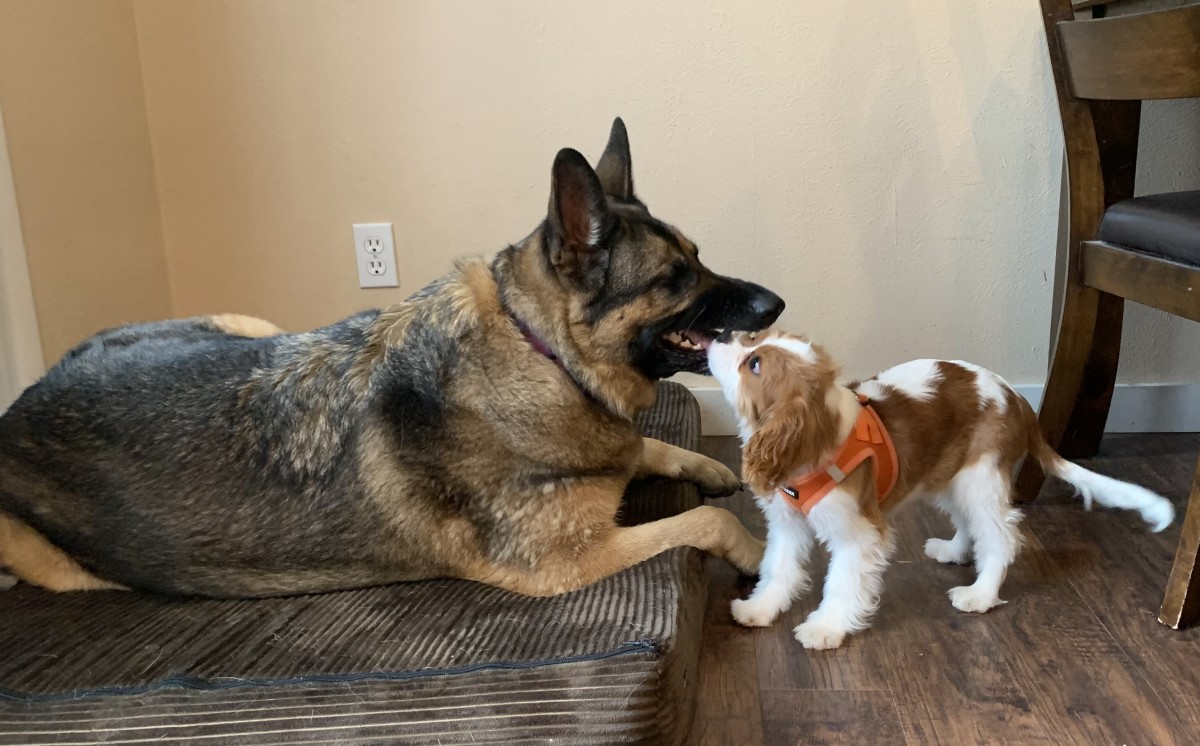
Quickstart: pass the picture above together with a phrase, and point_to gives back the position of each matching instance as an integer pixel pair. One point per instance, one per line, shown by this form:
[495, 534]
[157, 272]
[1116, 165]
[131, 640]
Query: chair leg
[1181, 604]
[1085, 427]
[1079, 388]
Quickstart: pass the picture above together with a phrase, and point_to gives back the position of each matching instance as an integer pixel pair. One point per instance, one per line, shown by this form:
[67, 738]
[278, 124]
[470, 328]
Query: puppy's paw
[820, 634]
[712, 477]
[971, 599]
[753, 612]
[945, 551]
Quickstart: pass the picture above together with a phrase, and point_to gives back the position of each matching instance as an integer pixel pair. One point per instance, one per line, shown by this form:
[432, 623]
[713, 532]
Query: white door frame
[20, 345]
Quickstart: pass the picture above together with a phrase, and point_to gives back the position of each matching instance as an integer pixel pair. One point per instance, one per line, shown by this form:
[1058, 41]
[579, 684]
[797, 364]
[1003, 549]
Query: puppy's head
[782, 387]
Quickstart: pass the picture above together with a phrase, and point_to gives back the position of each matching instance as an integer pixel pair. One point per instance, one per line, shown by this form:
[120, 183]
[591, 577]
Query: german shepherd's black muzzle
[728, 305]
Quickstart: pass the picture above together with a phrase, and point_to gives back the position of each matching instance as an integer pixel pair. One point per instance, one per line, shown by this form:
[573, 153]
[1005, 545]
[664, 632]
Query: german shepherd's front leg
[714, 530]
[664, 460]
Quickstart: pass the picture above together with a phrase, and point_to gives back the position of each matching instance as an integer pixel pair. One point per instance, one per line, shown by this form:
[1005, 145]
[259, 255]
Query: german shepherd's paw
[712, 477]
[748, 557]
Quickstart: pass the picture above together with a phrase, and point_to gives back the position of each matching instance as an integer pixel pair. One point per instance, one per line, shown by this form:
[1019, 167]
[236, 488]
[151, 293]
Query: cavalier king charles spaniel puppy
[826, 461]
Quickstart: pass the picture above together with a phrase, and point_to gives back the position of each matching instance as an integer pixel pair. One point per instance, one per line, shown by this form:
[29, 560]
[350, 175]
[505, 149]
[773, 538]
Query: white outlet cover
[373, 247]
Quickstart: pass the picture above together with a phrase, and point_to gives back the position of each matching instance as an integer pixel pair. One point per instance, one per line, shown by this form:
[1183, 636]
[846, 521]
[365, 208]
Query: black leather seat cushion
[1164, 225]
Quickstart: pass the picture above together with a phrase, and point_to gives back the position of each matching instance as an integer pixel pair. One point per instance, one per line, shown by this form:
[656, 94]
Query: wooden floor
[1075, 657]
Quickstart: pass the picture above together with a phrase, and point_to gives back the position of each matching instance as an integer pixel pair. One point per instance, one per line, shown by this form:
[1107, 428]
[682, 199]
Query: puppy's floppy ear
[777, 448]
[578, 219]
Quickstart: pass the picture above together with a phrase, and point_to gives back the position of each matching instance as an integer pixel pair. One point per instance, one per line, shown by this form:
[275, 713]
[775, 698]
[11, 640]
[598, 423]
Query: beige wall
[71, 93]
[892, 169]
[21, 360]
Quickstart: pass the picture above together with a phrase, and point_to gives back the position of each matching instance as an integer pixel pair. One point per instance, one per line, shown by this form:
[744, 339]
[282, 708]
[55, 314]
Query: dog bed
[434, 662]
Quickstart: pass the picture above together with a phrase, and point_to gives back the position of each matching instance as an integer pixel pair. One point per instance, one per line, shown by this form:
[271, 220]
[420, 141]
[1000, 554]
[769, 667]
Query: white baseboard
[1136, 408]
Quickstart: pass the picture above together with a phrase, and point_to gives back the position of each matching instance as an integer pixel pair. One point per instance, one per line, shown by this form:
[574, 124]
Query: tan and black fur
[219, 456]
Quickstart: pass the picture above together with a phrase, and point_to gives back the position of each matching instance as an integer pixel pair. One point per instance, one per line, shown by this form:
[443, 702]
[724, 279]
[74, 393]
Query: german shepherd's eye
[679, 278]
[754, 364]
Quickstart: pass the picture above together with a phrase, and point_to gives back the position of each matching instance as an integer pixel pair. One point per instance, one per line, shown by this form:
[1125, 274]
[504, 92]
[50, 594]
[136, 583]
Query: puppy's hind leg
[782, 577]
[957, 549]
[983, 494]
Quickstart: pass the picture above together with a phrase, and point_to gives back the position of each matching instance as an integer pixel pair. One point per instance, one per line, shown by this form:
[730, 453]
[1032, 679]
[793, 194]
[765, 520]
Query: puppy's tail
[1155, 510]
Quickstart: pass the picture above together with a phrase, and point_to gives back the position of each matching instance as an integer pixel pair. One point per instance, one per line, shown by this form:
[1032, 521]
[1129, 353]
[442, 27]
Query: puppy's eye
[754, 364]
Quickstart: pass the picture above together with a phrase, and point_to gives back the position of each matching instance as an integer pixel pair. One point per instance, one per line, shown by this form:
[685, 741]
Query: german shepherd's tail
[1155, 510]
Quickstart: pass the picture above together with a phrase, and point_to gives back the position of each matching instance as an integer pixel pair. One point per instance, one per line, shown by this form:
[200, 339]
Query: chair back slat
[1152, 55]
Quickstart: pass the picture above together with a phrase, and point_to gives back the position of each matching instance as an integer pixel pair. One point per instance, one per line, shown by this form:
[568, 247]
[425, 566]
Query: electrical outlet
[375, 254]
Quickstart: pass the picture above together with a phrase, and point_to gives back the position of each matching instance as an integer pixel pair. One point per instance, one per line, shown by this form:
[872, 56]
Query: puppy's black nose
[766, 305]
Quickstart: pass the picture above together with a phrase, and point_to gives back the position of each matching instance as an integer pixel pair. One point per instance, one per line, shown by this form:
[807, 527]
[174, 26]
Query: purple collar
[536, 343]
[540, 346]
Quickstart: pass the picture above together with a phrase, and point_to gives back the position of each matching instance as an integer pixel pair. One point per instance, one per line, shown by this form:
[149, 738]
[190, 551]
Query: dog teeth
[680, 340]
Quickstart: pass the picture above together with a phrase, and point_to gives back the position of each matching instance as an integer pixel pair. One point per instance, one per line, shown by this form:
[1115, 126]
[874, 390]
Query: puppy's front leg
[663, 460]
[858, 553]
[782, 577]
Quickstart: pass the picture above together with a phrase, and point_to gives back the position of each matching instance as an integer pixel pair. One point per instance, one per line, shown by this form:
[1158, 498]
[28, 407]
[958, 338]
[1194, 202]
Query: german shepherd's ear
[579, 220]
[615, 168]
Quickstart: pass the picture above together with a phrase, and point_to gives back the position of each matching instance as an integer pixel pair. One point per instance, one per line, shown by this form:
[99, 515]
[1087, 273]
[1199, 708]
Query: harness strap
[869, 439]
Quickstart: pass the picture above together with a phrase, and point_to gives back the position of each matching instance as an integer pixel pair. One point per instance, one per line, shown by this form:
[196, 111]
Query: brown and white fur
[960, 432]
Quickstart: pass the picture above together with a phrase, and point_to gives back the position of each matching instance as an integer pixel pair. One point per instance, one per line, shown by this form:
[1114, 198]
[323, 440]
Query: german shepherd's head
[628, 287]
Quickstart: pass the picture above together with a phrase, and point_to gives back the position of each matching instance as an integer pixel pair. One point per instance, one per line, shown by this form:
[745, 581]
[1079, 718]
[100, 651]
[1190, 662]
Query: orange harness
[869, 439]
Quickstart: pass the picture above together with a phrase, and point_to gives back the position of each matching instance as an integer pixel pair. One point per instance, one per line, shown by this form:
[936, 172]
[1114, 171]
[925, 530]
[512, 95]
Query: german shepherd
[481, 429]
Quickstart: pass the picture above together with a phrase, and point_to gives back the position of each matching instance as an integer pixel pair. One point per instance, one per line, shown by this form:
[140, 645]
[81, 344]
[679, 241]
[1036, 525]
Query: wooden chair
[1144, 249]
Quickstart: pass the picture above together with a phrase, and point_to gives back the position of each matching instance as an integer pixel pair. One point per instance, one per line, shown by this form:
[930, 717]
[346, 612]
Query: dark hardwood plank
[1076, 657]
[729, 712]
[1158, 283]
[949, 676]
[1119, 569]
[835, 718]
[1067, 661]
